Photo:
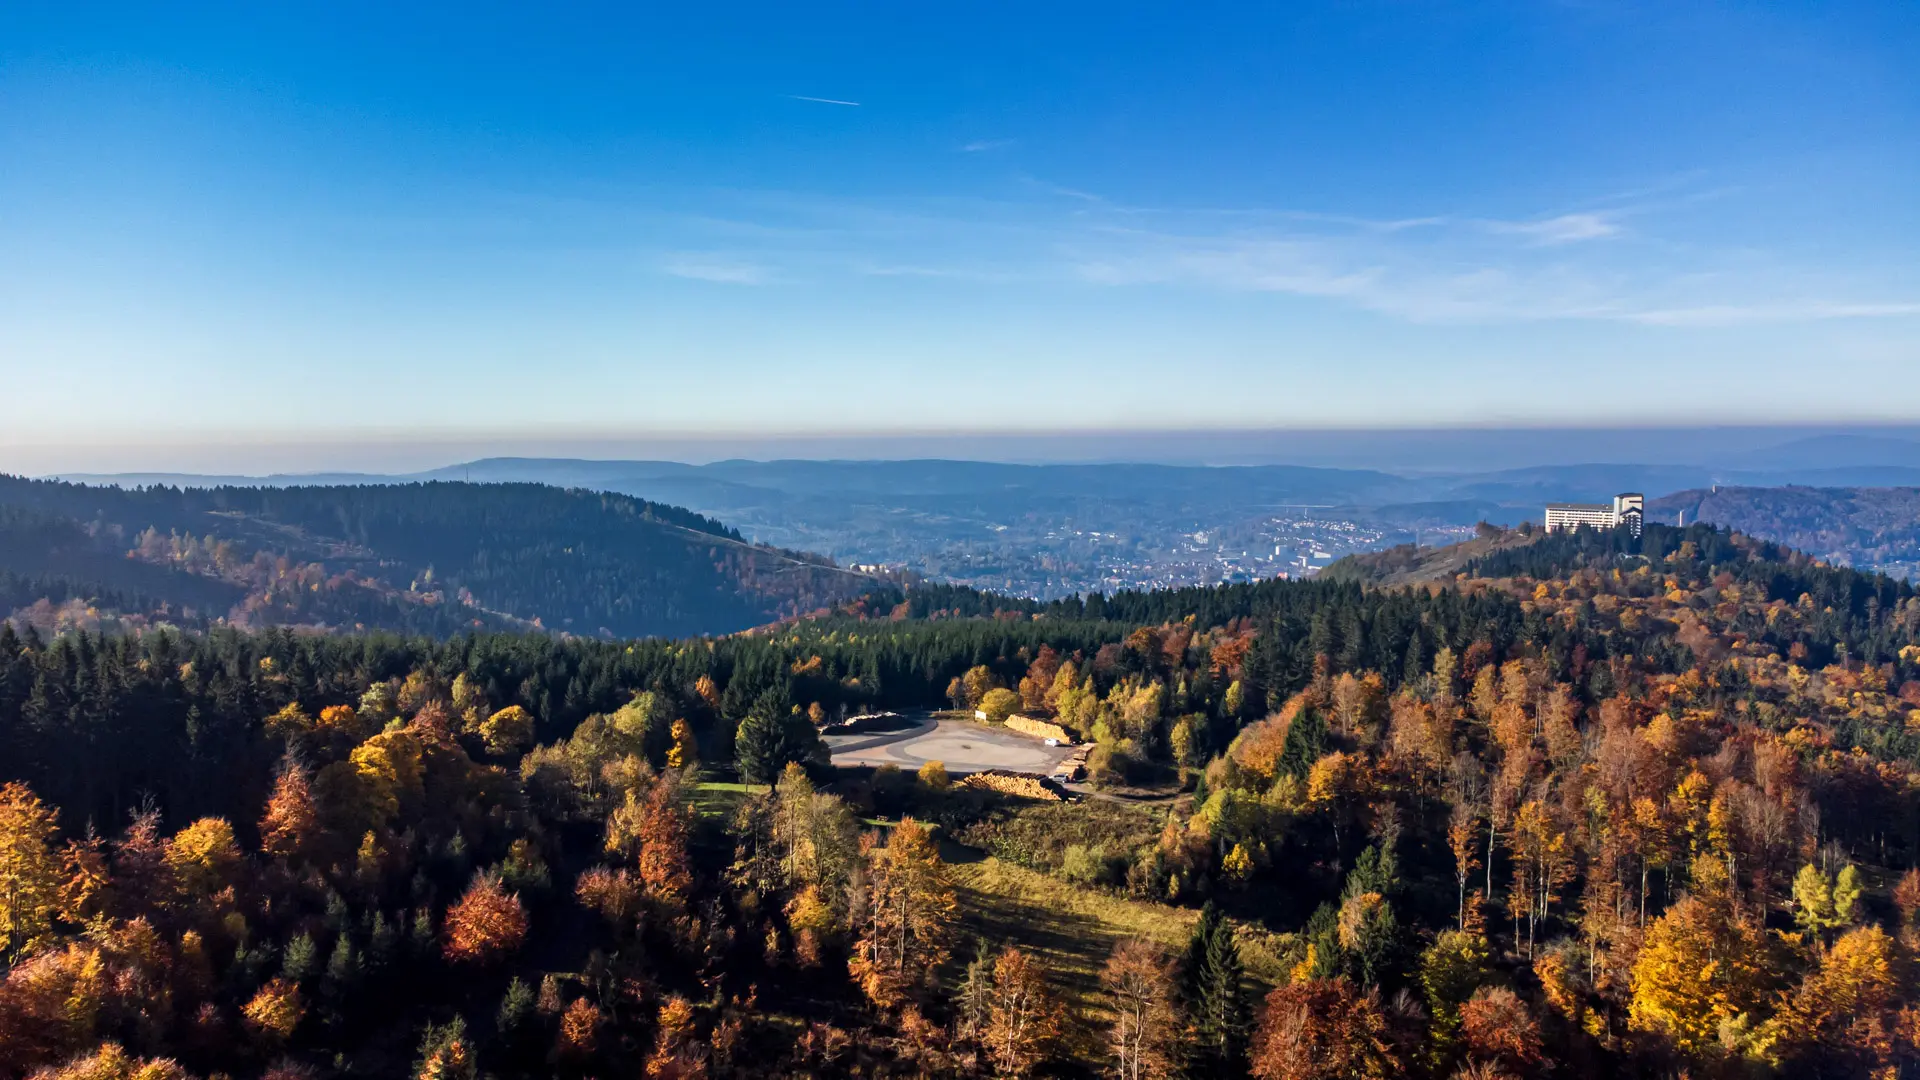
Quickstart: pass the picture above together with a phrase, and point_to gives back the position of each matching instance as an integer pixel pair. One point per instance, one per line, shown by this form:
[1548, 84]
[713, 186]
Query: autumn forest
[1595, 805]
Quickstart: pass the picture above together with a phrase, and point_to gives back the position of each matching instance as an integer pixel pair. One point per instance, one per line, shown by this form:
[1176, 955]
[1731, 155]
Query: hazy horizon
[1432, 449]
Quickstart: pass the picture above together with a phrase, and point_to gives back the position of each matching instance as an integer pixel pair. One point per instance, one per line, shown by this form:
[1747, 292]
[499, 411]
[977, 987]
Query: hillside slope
[1873, 528]
[1408, 564]
[433, 558]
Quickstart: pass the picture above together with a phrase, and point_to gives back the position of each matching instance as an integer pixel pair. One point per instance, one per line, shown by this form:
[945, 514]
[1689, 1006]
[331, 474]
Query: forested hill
[1595, 806]
[434, 557]
[1874, 528]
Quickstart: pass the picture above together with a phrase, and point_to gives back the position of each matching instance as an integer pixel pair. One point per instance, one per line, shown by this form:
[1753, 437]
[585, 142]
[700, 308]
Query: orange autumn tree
[1146, 1018]
[1023, 1020]
[50, 1005]
[651, 828]
[292, 822]
[487, 924]
[579, 1031]
[613, 893]
[662, 859]
[87, 880]
[1324, 1029]
[678, 1051]
[908, 920]
[1499, 1030]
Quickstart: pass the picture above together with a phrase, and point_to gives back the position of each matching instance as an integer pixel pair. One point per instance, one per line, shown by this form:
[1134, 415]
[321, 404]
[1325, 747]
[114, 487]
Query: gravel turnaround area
[964, 746]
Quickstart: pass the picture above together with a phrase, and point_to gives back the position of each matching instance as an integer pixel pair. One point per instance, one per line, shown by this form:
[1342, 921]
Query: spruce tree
[1306, 742]
[343, 966]
[771, 737]
[975, 999]
[300, 960]
[1213, 984]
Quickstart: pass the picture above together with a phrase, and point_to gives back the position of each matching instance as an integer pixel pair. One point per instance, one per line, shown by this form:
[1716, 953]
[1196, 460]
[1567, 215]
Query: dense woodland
[1591, 806]
[436, 558]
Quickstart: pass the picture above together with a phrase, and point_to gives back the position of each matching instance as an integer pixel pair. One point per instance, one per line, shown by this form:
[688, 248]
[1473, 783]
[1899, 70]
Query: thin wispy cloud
[1460, 281]
[1066, 192]
[715, 269]
[1804, 311]
[981, 146]
[1566, 265]
[1562, 229]
[821, 100]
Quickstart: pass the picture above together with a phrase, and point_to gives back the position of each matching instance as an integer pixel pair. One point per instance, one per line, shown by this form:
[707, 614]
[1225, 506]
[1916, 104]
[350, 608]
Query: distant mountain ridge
[1871, 528]
[1049, 530]
[433, 557]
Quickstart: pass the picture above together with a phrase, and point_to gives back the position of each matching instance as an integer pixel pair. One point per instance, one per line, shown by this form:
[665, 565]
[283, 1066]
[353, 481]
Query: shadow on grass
[1070, 947]
[954, 853]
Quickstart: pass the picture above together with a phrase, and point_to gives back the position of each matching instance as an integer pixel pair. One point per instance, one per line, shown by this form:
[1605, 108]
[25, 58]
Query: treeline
[162, 714]
[372, 514]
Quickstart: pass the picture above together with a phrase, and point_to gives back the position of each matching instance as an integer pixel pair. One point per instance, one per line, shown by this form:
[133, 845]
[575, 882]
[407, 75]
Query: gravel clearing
[964, 746]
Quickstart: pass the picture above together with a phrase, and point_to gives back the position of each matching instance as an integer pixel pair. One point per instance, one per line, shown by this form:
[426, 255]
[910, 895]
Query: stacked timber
[1020, 785]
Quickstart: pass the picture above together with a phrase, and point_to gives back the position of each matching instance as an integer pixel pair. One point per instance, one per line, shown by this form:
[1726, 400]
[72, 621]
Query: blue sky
[319, 224]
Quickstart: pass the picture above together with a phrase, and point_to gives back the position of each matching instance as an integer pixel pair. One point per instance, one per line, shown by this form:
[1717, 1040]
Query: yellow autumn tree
[380, 778]
[684, 753]
[469, 700]
[508, 730]
[678, 1052]
[812, 921]
[933, 776]
[110, 1062]
[204, 856]
[29, 870]
[1848, 991]
[394, 764]
[343, 721]
[274, 1012]
[1701, 965]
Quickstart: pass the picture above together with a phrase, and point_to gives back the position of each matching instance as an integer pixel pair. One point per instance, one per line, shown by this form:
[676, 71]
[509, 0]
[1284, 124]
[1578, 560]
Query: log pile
[1020, 785]
[1040, 729]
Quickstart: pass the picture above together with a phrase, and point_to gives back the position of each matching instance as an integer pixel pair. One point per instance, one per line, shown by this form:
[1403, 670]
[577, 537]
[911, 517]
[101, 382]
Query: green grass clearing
[719, 799]
[1072, 930]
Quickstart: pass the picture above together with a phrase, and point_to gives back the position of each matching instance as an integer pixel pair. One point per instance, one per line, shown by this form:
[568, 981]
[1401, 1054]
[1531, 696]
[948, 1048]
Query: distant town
[1058, 562]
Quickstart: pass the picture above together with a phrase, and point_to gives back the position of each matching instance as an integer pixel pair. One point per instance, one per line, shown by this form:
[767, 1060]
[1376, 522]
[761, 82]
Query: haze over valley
[1053, 530]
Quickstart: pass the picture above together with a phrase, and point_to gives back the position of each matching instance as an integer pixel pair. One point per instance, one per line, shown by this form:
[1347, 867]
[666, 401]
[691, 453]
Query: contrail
[821, 100]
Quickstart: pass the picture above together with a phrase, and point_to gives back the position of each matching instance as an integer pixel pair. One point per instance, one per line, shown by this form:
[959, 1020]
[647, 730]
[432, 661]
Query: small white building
[1628, 508]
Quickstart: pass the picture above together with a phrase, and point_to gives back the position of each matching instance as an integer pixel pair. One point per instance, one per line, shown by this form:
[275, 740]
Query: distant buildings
[1628, 508]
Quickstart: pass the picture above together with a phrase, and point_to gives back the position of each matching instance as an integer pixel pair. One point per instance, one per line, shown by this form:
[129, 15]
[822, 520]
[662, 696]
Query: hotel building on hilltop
[1629, 509]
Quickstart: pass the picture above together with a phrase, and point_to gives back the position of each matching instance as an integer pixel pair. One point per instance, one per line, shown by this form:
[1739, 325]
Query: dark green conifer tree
[1213, 989]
